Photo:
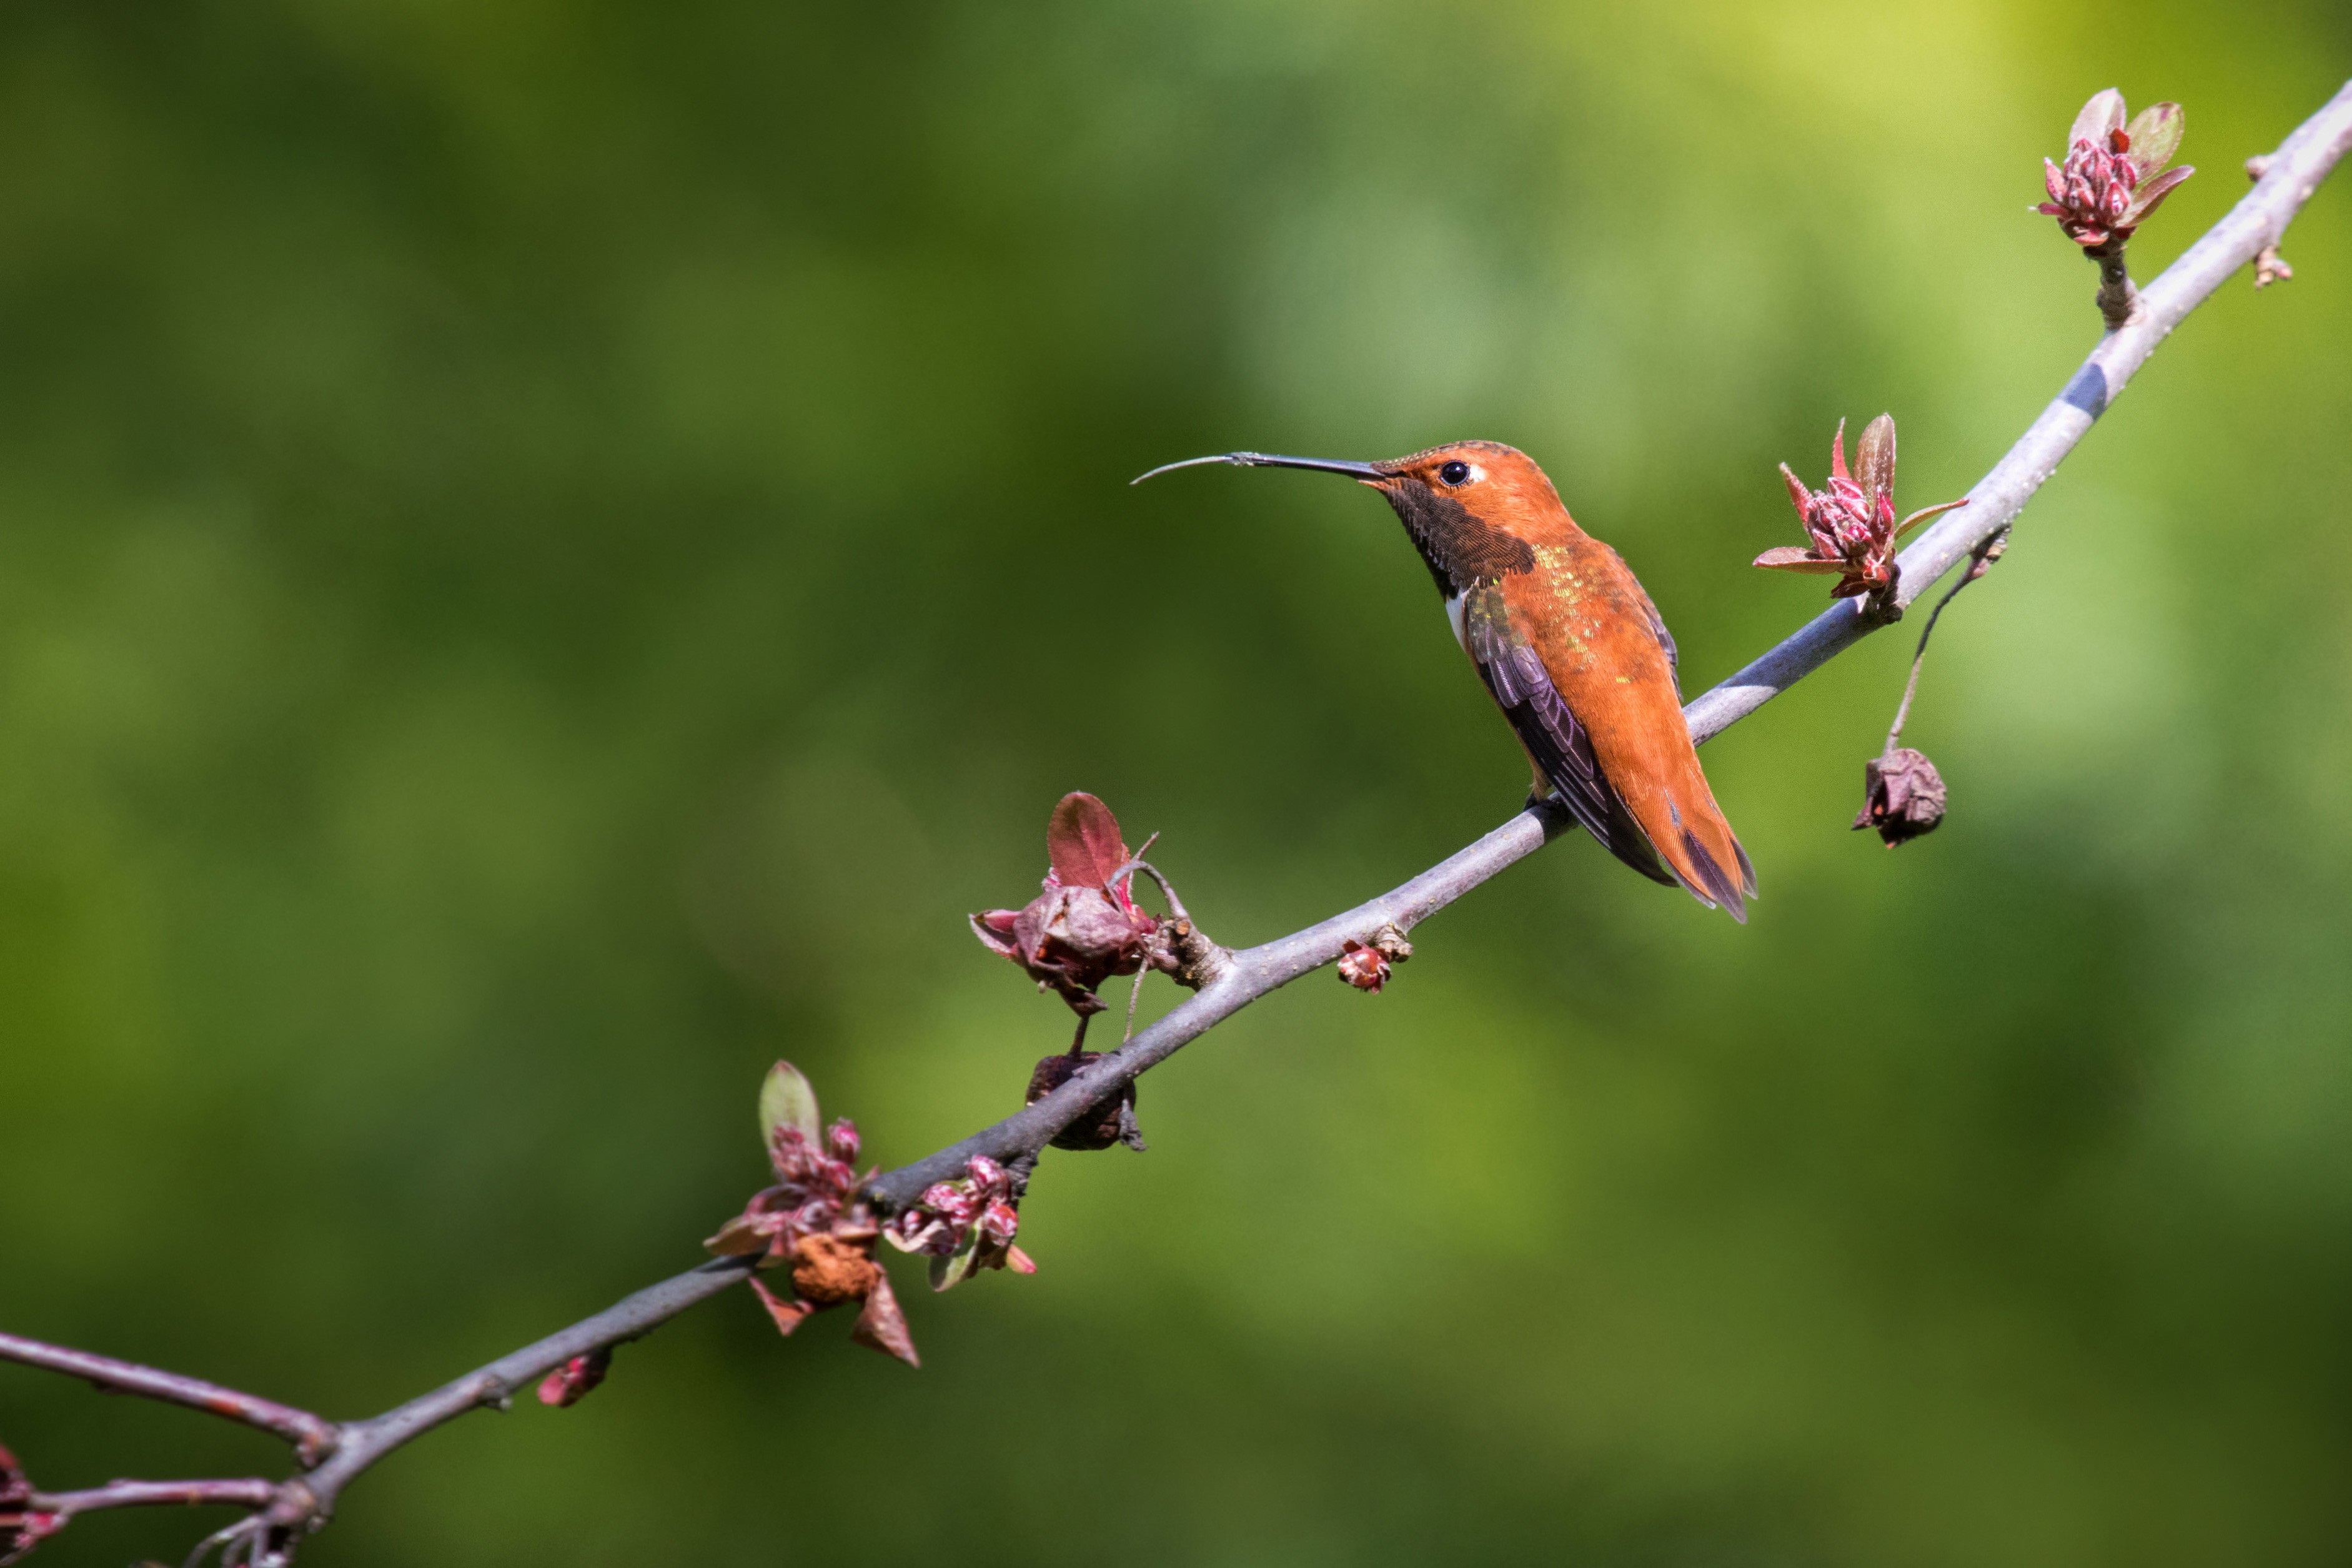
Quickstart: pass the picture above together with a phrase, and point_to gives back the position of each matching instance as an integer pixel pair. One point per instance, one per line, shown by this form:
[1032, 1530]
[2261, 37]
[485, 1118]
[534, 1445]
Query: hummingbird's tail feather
[1701, 847]
[1718, 887]
[1626, 840]
[1670, 798]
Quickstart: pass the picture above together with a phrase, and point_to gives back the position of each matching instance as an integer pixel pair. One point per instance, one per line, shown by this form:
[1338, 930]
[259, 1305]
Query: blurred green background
[550, 551]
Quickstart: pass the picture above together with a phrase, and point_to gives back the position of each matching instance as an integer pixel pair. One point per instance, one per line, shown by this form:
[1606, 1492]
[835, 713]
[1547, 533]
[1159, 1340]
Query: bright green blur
[550, 553]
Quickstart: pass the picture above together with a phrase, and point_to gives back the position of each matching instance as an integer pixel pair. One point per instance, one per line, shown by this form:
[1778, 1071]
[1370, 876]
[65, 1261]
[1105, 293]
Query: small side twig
[1981, 560]
[1193, 961]
[313, 1437]
[247, 1493]
[2118, 301]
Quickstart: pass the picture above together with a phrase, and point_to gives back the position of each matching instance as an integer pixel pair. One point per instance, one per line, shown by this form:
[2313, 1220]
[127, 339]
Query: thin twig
[1987, 553]
[1233, 981]
[249, 1493]
[312, 1436]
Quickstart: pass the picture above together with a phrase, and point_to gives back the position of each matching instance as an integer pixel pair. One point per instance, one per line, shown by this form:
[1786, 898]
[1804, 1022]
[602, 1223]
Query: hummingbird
[1570, 648]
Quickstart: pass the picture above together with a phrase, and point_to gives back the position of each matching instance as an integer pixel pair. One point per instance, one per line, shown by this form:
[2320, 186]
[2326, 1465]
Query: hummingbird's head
[1475, 509]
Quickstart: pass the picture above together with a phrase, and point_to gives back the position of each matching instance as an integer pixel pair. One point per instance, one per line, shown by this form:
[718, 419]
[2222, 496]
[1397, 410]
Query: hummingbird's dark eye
[1454, 472]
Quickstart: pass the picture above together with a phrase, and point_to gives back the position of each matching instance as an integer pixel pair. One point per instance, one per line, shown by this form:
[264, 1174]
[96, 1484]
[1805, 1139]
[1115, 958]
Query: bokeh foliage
[550, 550]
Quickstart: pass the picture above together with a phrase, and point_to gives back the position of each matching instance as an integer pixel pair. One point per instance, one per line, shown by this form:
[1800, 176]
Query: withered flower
[2115, 173]
[1084, 926]
[1851, 523]
[22, 1526]
[1110, 1121]
[965, 1225]
[813, 1220]
[1903, 797]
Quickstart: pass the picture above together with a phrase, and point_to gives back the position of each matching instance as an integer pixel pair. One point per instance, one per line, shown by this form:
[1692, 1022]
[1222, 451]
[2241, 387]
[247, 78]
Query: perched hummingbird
[1571, 648]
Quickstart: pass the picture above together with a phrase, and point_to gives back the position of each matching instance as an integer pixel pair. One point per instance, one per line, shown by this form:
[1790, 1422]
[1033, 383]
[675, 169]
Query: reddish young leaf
[788, 1314]
[2150, 196]
[882, 1326]
[2102, 115]
[1924, 512]
[2155, 134]
[1873, 460]
[1084, 842]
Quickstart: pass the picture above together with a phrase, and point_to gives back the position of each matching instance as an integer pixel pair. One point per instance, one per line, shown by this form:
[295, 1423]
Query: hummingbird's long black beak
[1368, 472]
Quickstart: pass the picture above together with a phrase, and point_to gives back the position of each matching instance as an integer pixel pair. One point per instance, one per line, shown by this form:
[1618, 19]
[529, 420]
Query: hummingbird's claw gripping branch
[1228, 982]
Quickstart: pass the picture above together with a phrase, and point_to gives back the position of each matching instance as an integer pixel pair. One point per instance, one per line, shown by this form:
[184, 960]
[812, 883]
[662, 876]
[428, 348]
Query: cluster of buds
[1366, 965]
[1084, 926]
[2115, 173]
[1850, 524]
[814, 1221]
[965, 1225]
[1903, 797]
[22, 1525]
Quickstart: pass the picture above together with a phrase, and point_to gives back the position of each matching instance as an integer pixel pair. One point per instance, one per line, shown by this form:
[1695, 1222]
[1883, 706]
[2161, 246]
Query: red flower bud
[1851, 523]
[1366, 965]
[1365, 968]
[2114, 174]
[569, 1383]
[21, 1527]
[965, 1225]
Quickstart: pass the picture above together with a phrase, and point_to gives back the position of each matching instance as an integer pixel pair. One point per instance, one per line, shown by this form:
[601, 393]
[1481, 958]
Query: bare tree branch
[313, 1437]
[1226, 982]
[250, 1493]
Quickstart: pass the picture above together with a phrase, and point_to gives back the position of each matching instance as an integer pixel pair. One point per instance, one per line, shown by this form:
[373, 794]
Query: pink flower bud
[569, 1383]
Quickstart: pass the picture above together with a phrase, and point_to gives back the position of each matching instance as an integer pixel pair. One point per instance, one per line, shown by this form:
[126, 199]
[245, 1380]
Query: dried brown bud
[1903, 797]
[1109, 1122]
[830, 1268]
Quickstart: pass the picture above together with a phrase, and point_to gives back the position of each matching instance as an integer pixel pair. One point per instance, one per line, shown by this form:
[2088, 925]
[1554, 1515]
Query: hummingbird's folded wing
[1523, 689]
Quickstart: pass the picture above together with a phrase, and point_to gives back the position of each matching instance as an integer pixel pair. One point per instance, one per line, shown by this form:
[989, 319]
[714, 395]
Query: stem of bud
[2119, 301]
[1981, 561]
